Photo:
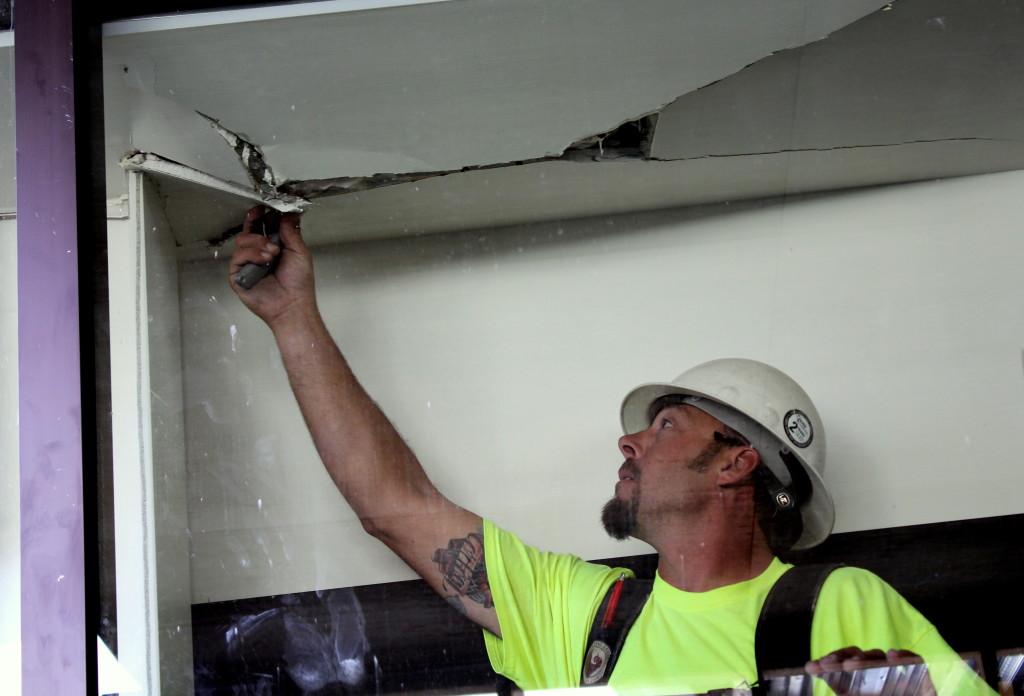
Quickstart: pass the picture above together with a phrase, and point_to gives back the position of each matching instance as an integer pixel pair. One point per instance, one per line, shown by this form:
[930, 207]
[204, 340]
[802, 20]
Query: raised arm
[369, 462]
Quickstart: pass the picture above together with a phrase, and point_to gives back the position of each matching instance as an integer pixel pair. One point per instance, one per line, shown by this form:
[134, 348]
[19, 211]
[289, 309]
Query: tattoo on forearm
[463, 571]
[456, 604]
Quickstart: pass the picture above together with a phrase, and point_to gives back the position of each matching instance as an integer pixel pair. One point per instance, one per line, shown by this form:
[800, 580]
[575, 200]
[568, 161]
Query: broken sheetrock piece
[150, 162]
[251, 157]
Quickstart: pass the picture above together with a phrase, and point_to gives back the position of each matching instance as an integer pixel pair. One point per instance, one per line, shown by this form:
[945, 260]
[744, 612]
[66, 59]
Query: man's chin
[619, 518]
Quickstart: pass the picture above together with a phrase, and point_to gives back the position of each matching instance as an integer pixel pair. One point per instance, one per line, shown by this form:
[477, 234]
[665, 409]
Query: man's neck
[713, 556]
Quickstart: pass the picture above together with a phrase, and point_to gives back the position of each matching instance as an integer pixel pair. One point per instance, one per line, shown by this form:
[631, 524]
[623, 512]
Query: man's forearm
[369, 462]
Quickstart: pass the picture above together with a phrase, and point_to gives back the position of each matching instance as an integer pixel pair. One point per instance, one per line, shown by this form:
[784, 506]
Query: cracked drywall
[136, 119]
[802, 120]
[629, 140]
[440, 87]
[924, 71]
[250, 156]
[560, 190]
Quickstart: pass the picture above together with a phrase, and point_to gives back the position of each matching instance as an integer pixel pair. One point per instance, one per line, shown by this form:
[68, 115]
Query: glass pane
[516, 213]
[10, 544]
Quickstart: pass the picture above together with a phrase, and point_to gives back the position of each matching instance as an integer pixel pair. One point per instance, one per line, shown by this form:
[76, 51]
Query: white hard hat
[771, 410]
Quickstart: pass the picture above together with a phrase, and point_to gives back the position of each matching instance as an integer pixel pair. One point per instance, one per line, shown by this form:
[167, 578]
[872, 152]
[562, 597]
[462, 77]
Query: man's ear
[739, 467]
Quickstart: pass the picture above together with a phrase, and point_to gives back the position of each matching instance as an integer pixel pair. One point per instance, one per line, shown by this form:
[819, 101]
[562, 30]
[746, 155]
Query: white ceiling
[441, 86]
[921, 89]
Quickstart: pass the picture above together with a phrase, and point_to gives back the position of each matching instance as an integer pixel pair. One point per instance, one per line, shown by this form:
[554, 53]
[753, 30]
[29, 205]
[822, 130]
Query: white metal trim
[191, 20]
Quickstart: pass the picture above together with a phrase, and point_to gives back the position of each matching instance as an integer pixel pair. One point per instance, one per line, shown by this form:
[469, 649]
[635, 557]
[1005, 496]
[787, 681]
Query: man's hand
[290, 286]
[837, 669]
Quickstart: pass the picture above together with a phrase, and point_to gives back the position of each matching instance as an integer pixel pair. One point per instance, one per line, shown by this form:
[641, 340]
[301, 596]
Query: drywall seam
[756, 153]
[316, 188]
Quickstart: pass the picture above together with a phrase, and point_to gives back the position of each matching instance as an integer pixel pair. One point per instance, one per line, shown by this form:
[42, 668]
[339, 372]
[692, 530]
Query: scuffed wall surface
[503, 355]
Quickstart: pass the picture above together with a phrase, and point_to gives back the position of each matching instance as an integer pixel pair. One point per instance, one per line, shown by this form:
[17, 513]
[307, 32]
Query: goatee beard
[619, 517]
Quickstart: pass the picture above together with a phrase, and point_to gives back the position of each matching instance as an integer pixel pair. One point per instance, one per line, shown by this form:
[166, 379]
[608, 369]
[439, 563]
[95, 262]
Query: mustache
[630, 468]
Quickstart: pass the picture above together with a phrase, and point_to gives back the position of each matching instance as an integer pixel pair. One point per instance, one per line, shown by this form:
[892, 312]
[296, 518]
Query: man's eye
[666, 423]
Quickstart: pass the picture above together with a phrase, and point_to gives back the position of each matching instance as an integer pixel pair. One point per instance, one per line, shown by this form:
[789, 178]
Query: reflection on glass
[514, 216]
[1011, 671]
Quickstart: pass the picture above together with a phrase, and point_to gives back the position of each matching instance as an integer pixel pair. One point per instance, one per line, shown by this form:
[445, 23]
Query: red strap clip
[613, 603]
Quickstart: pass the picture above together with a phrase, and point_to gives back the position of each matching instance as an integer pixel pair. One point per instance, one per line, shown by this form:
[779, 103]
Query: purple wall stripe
[53, 602]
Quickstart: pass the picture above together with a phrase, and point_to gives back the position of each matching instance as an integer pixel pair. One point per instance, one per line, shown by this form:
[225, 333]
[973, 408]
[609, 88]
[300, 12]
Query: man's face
[666, 475]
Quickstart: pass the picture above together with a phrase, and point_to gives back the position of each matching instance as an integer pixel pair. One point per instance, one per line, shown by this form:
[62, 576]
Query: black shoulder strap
[783, 637]
[619, 609]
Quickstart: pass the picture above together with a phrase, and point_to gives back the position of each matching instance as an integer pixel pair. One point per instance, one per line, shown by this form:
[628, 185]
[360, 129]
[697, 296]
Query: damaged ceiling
[514, 112]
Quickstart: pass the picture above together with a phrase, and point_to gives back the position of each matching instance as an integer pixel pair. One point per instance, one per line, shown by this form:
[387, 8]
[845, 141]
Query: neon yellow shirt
[685, 642]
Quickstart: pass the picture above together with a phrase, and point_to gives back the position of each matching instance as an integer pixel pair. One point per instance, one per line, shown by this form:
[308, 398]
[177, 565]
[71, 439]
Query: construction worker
[721, 470]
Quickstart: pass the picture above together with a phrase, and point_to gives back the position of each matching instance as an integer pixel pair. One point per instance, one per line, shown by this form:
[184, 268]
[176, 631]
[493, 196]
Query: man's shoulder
[858, 600]
[508, 549]
[854, 579]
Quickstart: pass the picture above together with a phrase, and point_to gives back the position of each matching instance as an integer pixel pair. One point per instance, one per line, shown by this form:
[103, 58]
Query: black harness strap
[783, 636]
[782, 639]
[618, 611]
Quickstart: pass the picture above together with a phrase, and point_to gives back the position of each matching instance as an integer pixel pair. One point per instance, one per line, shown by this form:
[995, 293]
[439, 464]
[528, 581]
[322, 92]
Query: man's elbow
[374, 526]
[394, 518]
[386, 528]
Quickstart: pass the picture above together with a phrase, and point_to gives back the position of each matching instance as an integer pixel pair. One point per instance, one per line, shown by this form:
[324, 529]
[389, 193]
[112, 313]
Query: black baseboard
[966, 576]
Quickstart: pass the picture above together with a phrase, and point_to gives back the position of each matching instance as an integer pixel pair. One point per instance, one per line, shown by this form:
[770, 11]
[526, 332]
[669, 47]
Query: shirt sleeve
[858, 608]
[545, 604]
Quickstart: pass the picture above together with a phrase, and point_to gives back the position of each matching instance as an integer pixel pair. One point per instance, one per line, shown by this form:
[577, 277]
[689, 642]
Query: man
[715, 474]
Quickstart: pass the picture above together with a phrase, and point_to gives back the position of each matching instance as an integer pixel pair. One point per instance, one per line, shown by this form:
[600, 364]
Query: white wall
[502, 356]
[174, 577]
[150, 517]
[10, 504]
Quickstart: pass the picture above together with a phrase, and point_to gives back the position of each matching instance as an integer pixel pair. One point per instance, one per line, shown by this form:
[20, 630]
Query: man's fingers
[252, 214]
[244, 241]
[837, 668]
[870, 658]
[842, 660]
[840, 656]
[253, 246]
[291, 232]
[254, 254]
[868, 655]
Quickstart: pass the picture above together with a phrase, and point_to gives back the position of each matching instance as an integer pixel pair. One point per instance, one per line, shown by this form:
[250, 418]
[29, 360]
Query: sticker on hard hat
[798, 428]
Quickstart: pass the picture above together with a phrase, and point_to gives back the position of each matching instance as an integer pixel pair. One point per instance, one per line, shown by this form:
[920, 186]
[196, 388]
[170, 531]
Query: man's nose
[631, 445]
